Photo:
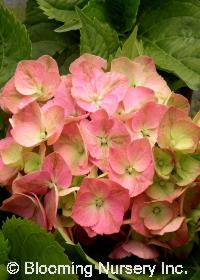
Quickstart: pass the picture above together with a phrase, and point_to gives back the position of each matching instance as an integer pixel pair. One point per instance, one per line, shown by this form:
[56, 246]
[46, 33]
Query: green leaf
[123, 13]
[41, 31]
[60, 9]
[69, 54]
[73, 23]
[97, 9]
[196, 156]
[170, 31]
[96, 37]
[30, 243]
[4, 249]
[132, 47]
[14, 44]
[93, 9]
[3, 272]
[45, 40]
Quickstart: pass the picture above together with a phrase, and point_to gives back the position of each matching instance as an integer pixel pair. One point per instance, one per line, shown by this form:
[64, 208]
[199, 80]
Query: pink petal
[119, 253]
[100, 91]
[36, 182]
[27, 126]
[140, 250]
[11, 100]
[136, 221]
[10, 151]
[51, 206]
[50, 83]
[27, 207]
[72, 148]
[179, 101]
[53, 123]
[55, 165]
[174, 225]
[137, 97]
[63, 97]
[157, 222]
[7, 172]
[107, 223]
[84, 212]
[29, 76]
[140, 154]
[49, 63]
[84, 64]
[118, 160]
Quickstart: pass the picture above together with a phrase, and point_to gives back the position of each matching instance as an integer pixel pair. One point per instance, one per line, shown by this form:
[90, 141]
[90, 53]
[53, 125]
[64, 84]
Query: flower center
[96, 99]
[173, 142]
[120, 112]
[39, 90]
[132, 84]
[156, 210]
[52, 184]
[145, 133]
[43, 135]
[131, 170]
[104, 141]
[99, 202]
[160, 163]
[161, 183]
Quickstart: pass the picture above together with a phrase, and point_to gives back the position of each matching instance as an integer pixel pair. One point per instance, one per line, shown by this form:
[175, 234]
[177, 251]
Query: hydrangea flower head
[133, 167]
[107, 149]
[100, 205]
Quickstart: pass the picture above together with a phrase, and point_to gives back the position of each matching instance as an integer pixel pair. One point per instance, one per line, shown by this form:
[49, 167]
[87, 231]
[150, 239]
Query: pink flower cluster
[106, 150]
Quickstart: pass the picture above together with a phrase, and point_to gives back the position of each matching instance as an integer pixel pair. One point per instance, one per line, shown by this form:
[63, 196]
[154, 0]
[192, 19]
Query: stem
[102, 175]
[68, 191]
[127, 222]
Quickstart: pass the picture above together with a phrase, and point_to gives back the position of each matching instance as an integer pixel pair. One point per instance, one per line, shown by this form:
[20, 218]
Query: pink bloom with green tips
[33, 125]
[72, 147]
[177, 132]
[142, 72]
[155, 217]
[37, 78]
[133, 166]
[96, 89]
[107, 149]
[54, 176]
[100, 205]
[145, 122]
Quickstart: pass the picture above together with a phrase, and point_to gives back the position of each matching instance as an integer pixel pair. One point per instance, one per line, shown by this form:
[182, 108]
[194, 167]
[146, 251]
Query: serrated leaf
[14, 44]
[170, 31]
[60, 9]
[123, 13]
[4, 249]
[93, 9]
[30, 243]
[96, 37]
[41, 31]
[71, 24]
[132, 47]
